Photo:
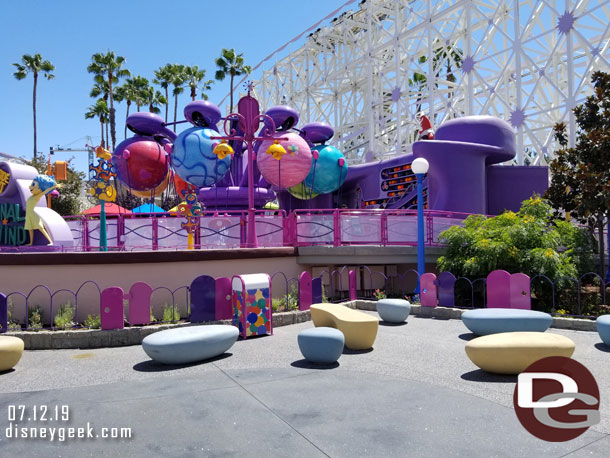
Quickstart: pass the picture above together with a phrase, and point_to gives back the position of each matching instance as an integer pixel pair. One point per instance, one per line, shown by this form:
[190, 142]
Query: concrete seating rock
[11, 349]
[321, 345]
[393, 310]
[492, 321]
[359, 329]
[513, 352]
[603, 328]
[189, 344]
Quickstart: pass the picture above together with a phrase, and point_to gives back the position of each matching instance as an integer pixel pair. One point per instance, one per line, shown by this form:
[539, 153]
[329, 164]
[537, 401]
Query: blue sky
[148, 34]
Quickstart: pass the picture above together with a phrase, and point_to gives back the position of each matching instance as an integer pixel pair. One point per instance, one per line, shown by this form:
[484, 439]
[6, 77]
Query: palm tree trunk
[166, 103]
[112, 119]
[107, 135]
[175, 109]
[232, 76]
[102, 127]
[34, 112]
[127, 116]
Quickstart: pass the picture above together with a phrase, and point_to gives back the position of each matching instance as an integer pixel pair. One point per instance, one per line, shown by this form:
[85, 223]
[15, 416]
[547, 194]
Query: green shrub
[379, 294]
[12, 325]
[170, 313]
[35, 318]
[64, 318]
[93, 322]
[287, 302]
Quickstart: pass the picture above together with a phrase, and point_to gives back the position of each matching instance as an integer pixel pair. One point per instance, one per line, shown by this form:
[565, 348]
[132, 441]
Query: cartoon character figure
[41, 186]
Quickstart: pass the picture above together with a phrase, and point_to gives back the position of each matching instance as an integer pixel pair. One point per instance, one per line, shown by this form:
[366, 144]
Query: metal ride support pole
[103, 237]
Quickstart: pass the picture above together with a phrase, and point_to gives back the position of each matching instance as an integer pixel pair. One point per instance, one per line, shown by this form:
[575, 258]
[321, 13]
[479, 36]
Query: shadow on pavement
[8, 371]
[304, 364]
[479, 375]
[153, 366]
[347, 351]
[468, 336]
[602, 347]
[387, 323]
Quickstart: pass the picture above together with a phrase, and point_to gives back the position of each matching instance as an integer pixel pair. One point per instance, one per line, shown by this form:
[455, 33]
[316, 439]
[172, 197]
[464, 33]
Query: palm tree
[101, 88]
[205, 87]
[100, 109]
[194, 76]
[35, 65]
[163, 77]
[154, 98]
[109, 66]
[179, 77]
[231, 64]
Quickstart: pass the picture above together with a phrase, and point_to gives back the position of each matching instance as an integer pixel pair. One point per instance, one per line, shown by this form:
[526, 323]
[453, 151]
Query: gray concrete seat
[321, 345]
[393, 310]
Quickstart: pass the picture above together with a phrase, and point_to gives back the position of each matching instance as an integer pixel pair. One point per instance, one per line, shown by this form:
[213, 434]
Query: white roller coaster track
[528, 62]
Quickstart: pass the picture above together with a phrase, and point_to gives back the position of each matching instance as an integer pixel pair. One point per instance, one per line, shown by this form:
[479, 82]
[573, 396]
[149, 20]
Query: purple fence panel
[498, 289]
[170, 234]
[224, 307]
[203, 299]
[112, 308]
[314, 229]
[402, 229]
[446, 289]
[352, 285]
[520, 294]
[3, 314]
[305, 291]
[138, 233]
[316, 290]
[361, 228]
[428, 290]
[221, 230]
[139, 303]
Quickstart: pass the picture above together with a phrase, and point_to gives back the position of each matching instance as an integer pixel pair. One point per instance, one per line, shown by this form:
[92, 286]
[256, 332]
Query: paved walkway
[416, 394]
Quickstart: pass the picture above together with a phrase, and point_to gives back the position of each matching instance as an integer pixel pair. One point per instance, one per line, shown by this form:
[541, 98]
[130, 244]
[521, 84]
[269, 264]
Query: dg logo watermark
[556, 399]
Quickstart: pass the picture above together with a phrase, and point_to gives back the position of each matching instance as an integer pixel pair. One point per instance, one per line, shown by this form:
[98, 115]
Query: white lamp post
[420, 167]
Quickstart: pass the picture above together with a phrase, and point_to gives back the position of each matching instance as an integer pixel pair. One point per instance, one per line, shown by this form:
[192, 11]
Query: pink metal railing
[336, 227]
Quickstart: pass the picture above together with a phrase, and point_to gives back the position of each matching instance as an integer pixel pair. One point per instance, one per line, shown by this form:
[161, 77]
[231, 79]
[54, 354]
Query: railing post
[337, 228]
[384, 228]
[155, 233]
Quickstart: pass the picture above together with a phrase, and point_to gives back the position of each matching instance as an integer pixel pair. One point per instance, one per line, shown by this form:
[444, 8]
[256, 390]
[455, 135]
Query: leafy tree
[580, 176]
[101, 88]
[68, 202]
[163, 77]
[232, 64]
[530, 241]
[99, 110]
[109, 66]
[34, 65]
[205, 87]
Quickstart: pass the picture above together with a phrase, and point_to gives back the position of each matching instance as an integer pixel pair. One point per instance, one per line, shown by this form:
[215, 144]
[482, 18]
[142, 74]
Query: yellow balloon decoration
[222, 149]
[152, 192]
[276, 150]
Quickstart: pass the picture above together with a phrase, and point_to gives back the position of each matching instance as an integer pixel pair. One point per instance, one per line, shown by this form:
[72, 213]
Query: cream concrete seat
[359, 329]
[11, 349]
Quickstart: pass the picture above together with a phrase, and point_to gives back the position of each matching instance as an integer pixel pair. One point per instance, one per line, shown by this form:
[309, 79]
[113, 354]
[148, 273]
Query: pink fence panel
[305, 291]
[498, 289]
[170, 234]
[352, 285]
[520, 295]
[402, 229]
[361, 227]
[77, 227]
[139, 303]
[138, 233]
[93, 232]
[314, 228]
[220, 230]
[224, 307]
[269, 230]
[112, 308]
[428, 290]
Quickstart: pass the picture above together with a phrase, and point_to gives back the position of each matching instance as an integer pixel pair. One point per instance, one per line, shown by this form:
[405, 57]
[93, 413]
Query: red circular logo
[556, 399]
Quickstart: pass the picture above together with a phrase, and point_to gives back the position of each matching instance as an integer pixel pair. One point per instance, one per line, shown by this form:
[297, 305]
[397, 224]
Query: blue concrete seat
[492, 321]
[321, 345]
[393, 310]
[603, 328]
[189, 344]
